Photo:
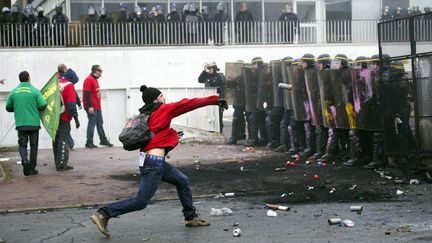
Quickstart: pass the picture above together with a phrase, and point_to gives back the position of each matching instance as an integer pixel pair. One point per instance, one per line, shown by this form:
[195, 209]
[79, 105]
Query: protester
[25, 101]
[92, 105]
[153, 166]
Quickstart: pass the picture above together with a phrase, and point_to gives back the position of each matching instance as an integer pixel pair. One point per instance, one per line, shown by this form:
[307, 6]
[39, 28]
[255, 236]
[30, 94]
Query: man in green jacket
[26, 102]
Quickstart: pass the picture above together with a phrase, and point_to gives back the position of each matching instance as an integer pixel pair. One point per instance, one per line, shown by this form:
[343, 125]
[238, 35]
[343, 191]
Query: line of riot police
[328, 108]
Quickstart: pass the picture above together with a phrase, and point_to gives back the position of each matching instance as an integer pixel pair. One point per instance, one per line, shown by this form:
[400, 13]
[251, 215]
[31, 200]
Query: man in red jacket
[152, 164]
[92, 105]
[61, 142]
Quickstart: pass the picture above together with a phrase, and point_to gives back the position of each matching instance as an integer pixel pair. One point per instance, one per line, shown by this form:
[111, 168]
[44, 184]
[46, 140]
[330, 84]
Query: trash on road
[332, 190]
[334, 221]
[271, 213]
[221, 212]
[236, 224]
[248, 149]
[353, 187]
[316, 177]
[242, 168]
[277, 207]
[296, 157]
[348, 223]
[414, 182]
[236, 232]
[280, 169]
[310, 188]
[18, 162]
[323, 164]
[290, 164]
[284, 195]
[229, 194]
[197, 164]
[42, 211]
[220, 195]
[399, 192]
[308, 162]
[4, 160]
[356, 208]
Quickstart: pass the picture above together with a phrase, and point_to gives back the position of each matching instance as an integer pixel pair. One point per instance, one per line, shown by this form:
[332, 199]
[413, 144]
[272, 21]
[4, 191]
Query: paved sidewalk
[93, 179]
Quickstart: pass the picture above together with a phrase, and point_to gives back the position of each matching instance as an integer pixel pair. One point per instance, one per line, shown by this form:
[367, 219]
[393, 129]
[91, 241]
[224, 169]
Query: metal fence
[205, 33]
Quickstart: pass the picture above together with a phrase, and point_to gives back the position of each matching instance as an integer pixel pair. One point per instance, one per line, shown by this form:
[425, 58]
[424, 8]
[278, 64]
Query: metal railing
[205, 33]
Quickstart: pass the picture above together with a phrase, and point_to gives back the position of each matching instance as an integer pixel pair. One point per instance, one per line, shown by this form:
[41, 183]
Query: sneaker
[196, 221]
[106, 143]
[101, 222]
[90, 146]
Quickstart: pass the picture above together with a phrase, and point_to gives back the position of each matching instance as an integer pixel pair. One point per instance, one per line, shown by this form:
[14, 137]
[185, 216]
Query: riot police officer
[42, 30]
[211, 78]
[60, 22]
[29, 21]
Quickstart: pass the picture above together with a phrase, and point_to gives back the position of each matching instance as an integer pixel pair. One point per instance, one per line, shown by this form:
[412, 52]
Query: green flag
[51, 115]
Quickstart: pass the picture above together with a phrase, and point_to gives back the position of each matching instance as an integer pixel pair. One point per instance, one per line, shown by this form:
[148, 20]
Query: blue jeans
[154, 170]
[95, 120]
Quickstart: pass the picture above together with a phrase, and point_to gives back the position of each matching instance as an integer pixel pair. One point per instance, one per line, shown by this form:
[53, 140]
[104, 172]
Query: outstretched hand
[223, 104]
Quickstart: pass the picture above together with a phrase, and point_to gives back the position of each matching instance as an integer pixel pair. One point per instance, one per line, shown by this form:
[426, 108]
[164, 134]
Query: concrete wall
[125, 69]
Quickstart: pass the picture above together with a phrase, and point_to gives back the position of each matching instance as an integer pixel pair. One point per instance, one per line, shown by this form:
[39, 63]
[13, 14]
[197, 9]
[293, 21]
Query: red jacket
[91, 84]
[68, 94]
[162, 116]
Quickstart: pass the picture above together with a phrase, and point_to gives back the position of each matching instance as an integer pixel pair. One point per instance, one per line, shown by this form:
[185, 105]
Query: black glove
[223, 104]
[77, 123]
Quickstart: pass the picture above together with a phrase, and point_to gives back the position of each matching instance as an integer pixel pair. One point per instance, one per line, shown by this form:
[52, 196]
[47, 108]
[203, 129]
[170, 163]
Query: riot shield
[265, 91]
[327, 100]
[287, 100]
[313, 92]
[299, 98]
[344, 111]
[234, 85]
[367, 110]
[250, 80]
[424, 101]
[276, 79]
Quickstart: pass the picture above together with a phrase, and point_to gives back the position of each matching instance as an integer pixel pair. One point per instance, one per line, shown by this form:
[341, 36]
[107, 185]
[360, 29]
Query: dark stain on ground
[259, 179]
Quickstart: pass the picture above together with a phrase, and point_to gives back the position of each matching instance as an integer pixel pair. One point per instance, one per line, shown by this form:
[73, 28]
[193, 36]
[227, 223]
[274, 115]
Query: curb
[9, 148]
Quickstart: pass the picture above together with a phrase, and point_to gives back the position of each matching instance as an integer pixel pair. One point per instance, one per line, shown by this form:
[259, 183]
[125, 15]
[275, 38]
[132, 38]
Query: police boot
[292, 137]
[284, 139]
[332, 146]
[241, 129]
[253, 135]
[310, 140]
[354, 149]
[377, 155]
[273, 136]
[234, 132]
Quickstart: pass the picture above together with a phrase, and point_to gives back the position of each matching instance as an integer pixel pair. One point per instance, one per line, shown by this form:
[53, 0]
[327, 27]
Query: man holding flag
[61, 142]
[26, 102]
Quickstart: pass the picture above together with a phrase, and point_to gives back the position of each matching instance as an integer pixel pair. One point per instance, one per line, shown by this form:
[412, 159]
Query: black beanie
[149, 94]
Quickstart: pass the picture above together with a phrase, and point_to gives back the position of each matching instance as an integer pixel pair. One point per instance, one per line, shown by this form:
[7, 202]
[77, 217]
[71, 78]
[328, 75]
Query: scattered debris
[414, 182]
[229, 194]
[42, 211]
[399, 181]
[220, 195]
[332, 190]
[4, 160]
[236, 232]
[296, 157]
[280, 169]
[387, 232]
[248, 149]
[277, 207]
[197, 164]
[284, 195]
[334, 221]
[225, 229]
[146, 239]
[310, 188]
[236, 224]
[323, 164]
[353, 187]
[399, 192]
[291, 164]
[271, 213]
[316, 177]
[241, 168]
[221, 211]
[18, 162]
[348, 223]
[356, 208]
[308, 162]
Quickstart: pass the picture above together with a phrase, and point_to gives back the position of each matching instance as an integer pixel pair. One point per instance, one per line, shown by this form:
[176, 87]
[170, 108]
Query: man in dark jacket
[152, 164]
[289, 24]
[26, 102]
[211, 78]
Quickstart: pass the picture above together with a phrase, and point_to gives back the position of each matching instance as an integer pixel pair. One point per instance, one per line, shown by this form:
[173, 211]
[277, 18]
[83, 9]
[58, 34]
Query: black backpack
[136, 134]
